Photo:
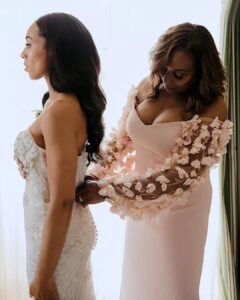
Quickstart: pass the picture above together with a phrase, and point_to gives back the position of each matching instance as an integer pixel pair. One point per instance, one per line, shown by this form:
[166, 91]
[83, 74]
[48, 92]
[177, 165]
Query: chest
[36, 131]
[155, 112]
[155, 140]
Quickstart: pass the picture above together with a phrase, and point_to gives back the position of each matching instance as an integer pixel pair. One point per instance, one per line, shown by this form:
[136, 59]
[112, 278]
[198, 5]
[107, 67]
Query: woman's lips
[170, 89]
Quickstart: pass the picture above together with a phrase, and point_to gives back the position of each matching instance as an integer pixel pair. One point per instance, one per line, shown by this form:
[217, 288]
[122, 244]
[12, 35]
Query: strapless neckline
[83, 152]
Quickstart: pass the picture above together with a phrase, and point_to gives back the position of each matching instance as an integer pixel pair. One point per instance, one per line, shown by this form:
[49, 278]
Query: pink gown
[163, 256]
[164, 190]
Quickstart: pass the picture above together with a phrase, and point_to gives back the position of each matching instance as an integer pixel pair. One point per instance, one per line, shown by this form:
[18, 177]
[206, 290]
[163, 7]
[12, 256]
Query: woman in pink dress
[155, 168]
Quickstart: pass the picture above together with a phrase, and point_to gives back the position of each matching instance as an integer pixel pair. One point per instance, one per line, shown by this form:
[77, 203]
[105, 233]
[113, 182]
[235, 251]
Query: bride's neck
[53, 94]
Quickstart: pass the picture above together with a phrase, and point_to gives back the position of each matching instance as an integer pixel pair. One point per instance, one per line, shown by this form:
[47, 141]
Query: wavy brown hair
[209, 72]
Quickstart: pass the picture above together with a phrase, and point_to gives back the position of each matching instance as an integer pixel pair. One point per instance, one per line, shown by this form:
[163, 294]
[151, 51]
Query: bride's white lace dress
[73, 273]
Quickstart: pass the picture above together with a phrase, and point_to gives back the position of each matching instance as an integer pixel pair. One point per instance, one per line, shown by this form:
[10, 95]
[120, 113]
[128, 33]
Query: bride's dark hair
[73, 67]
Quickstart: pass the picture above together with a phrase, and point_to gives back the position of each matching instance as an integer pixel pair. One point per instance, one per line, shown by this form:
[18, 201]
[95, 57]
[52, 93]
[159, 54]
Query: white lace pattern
[73, 273]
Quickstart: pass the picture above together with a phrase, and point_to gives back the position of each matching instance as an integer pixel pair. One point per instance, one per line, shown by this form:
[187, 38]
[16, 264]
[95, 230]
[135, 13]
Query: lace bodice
[73, 272]
[33, 159]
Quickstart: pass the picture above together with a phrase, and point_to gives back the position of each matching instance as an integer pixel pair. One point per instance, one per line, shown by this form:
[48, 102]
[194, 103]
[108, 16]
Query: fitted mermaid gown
[158, 177]
[73, 273]
[163, 256]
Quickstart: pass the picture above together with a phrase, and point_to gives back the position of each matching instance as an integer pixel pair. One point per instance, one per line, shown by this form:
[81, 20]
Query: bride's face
[180, 73]
[34, 53]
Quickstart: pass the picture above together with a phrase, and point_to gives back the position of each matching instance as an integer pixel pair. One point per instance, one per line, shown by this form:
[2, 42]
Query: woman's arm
[198, 148]
[59, 132]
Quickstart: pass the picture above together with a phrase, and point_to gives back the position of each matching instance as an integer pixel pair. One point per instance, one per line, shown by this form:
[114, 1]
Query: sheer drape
[229, 247]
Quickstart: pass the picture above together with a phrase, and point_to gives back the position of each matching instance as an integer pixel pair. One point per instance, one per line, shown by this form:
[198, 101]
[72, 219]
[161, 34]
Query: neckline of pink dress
[153, 124]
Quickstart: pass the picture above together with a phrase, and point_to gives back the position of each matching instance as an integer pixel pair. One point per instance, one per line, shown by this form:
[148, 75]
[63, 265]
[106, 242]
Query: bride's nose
[22, 54]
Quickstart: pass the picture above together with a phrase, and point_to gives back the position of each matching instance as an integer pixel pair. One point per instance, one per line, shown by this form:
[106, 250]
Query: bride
[53, 153]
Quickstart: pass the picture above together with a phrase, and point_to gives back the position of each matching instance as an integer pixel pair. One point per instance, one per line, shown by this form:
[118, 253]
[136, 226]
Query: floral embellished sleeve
[117, 151]
[199, 147]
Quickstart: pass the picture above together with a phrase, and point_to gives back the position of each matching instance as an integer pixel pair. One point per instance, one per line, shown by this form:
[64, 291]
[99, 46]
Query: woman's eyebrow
[181, 70]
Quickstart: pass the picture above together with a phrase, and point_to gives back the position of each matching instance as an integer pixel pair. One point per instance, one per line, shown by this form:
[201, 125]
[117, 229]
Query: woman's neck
[53, 94]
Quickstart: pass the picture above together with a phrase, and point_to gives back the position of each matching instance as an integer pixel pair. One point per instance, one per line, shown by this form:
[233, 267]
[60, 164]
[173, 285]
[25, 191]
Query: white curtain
[124, 32]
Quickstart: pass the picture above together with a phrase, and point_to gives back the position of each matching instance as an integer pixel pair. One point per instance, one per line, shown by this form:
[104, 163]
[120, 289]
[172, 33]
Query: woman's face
[34, 53]
[180, 73]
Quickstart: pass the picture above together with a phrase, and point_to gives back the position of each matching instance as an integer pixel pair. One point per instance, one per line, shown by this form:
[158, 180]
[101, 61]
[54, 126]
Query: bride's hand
[44, 290]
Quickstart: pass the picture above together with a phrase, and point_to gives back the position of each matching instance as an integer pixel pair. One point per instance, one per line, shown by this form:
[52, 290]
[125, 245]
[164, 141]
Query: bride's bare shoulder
[65, 111]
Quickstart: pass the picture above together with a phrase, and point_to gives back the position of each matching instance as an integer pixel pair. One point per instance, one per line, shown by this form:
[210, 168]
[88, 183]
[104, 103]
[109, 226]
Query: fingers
[79, 195]
[87, 193]
[84, 203]
[90, 177]
[80, 200]
[82, 192]
[80, 188]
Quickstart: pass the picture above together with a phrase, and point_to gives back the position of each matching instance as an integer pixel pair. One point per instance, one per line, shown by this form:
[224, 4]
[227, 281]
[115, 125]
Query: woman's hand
[90, 177]
[87, 193]
[44, 290]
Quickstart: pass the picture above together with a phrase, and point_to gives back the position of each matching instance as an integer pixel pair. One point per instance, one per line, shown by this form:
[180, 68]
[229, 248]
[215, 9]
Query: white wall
[124, 32]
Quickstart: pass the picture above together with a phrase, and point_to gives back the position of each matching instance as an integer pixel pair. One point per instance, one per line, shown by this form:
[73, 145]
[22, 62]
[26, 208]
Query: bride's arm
[61, 153]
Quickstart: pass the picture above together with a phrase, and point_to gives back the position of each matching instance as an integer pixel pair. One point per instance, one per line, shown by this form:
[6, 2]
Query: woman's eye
[27, 45]
[178, 76]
